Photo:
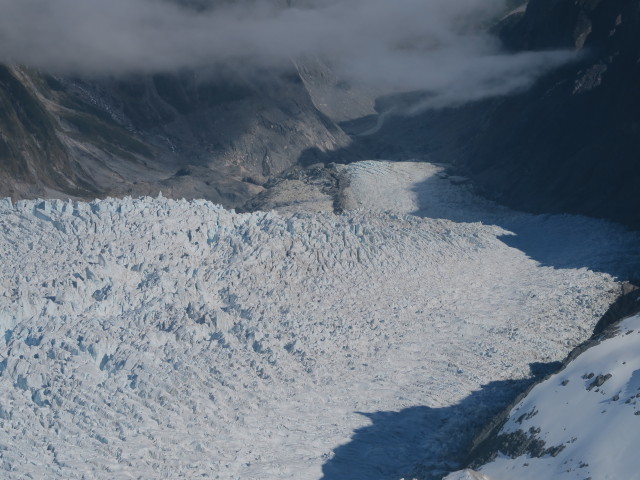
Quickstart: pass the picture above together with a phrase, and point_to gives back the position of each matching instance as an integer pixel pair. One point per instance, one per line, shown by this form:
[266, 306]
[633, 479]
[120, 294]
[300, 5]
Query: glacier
[156, 338]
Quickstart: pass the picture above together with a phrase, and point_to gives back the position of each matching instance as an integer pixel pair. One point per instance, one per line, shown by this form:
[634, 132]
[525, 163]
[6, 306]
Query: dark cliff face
[189, 134]
[572, 142]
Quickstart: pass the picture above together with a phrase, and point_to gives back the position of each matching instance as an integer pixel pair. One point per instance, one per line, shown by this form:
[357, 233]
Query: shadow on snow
[423, 442]
[554, 240]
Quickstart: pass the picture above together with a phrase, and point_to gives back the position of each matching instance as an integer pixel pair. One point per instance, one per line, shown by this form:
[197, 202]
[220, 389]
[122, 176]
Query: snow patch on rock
[589, 412]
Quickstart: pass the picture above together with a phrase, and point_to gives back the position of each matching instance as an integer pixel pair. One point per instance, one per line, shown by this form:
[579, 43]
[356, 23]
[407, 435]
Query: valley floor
[154, 338]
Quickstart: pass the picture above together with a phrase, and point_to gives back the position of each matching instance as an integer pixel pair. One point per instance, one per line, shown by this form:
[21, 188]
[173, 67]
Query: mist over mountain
[533, 103]
[441, 46]
[567, 144]
[213, 98]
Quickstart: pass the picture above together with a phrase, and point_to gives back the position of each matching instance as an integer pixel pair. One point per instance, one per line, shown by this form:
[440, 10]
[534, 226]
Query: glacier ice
[156, 338]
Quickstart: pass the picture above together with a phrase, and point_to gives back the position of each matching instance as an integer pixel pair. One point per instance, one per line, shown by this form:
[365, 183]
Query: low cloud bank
[435, 45]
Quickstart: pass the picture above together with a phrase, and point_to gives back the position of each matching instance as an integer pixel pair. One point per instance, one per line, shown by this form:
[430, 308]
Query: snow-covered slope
[466, 475]
[583, 422]
[154, 338]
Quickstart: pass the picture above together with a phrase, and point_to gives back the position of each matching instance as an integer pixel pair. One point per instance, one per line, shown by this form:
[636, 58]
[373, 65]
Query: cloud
[434, 45]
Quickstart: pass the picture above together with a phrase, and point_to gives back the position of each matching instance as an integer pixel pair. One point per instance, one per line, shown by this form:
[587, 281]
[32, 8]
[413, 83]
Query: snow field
[590, 412]
[171, 339]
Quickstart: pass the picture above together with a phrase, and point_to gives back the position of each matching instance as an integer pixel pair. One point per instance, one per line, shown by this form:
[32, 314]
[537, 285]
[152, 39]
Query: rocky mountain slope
[571, 143]
[198, 134]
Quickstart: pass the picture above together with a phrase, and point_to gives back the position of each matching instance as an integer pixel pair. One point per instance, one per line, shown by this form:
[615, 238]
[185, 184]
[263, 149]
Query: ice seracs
[157, 338]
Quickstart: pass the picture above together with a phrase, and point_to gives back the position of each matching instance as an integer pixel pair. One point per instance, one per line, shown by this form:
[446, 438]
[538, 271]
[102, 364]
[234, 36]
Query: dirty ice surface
[153, 338]
[589, 414]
